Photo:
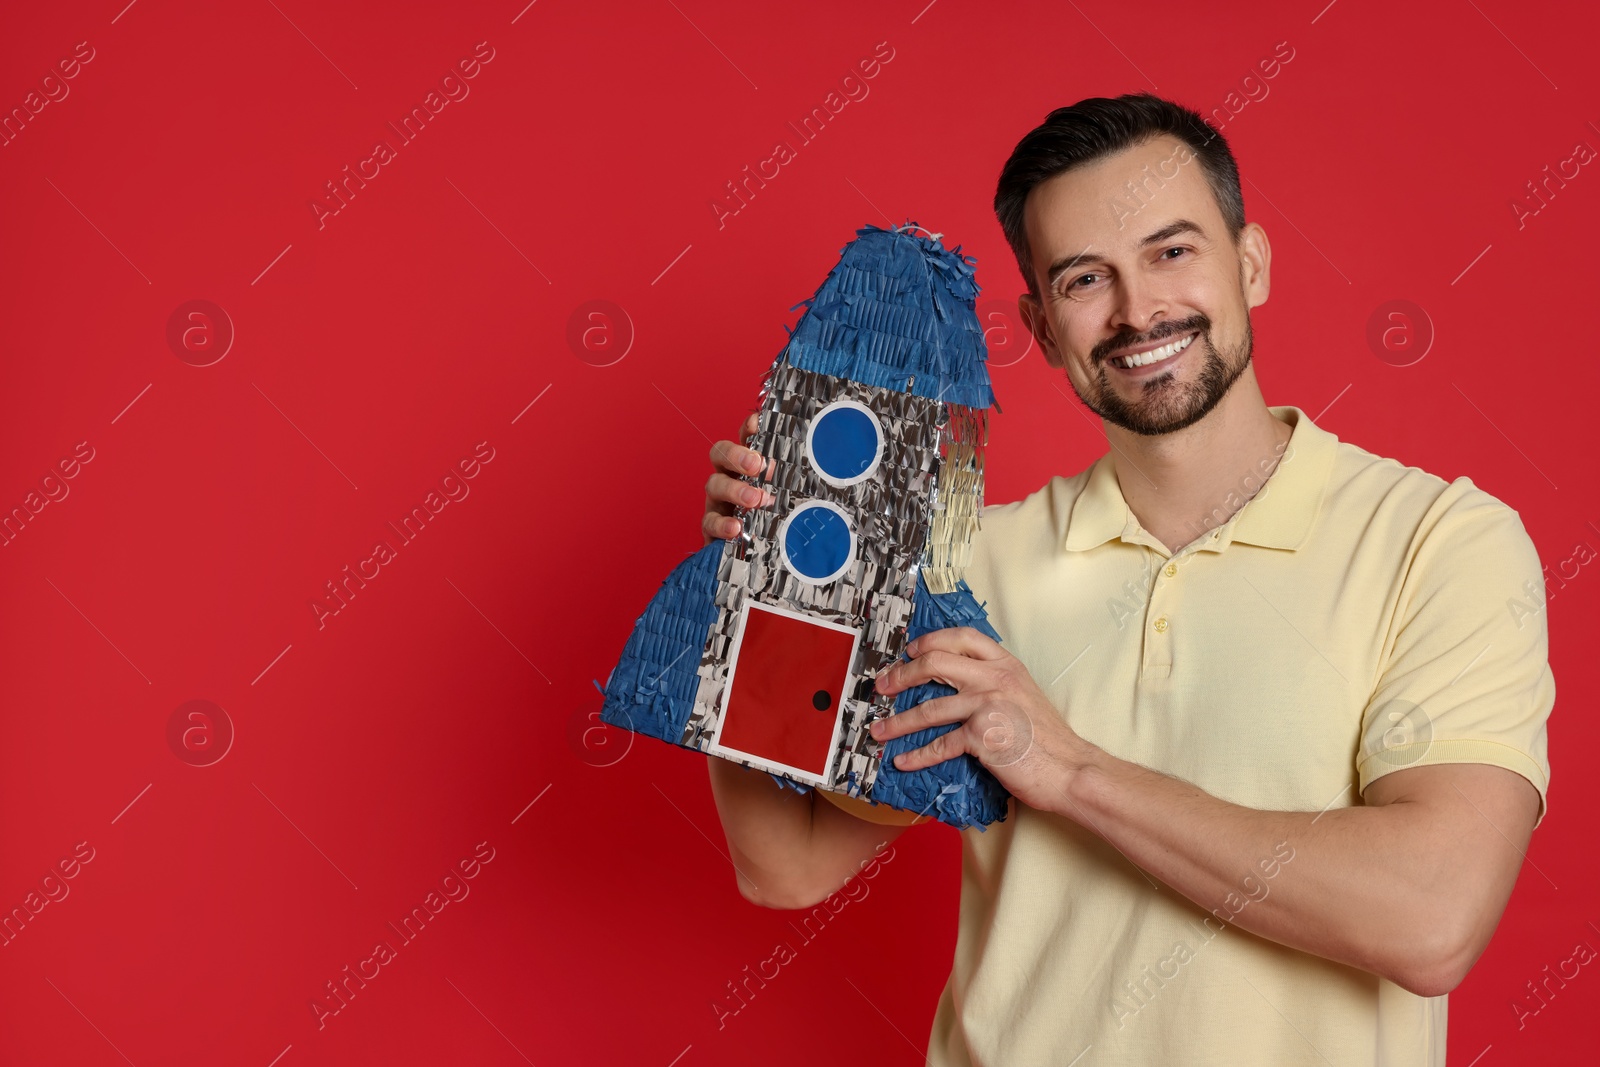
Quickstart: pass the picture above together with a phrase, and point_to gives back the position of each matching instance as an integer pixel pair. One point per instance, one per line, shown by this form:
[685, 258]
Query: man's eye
[1074, 283]
[1175, 249]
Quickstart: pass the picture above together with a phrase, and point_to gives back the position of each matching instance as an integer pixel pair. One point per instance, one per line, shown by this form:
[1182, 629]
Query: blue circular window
[816, 542]
[845, 442]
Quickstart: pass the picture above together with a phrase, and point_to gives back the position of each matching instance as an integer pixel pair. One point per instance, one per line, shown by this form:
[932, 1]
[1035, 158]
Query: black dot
[822, 700]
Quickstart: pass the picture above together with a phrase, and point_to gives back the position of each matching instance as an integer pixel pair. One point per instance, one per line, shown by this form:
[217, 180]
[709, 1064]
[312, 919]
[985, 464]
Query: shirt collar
[1279, 516]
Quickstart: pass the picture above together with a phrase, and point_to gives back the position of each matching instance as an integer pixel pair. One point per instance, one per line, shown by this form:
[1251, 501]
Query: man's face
[1146, 271]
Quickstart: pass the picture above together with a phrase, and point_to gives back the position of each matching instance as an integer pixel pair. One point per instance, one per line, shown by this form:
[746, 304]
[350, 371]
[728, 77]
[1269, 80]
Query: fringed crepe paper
[763, 649]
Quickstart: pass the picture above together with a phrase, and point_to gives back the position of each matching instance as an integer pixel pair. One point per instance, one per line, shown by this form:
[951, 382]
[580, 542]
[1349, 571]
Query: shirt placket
[1163, 599]
[1162, 616]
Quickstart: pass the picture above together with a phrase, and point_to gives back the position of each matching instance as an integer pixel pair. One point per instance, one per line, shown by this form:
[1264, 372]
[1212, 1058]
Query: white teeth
[1155, 355]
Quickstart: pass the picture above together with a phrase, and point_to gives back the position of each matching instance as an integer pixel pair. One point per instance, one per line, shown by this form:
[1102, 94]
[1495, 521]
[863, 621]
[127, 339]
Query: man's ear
[1039, 325]
[1255, 264]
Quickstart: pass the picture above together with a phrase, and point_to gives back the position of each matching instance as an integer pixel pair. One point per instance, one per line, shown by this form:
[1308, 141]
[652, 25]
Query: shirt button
[1172, 570]
[1161, 625]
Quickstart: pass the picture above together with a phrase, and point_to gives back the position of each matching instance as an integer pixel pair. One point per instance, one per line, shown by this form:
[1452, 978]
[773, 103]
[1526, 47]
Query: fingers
[948, 745]
[723, 489]
[726, 489]
[736, 458]
[962, 640]
[718, 527]
[953, 669]
[997, 734]
[725, 494]
[935, 712]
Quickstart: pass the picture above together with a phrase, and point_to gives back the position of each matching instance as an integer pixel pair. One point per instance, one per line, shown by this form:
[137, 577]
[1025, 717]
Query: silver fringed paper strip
[917, 509]
[958, 497]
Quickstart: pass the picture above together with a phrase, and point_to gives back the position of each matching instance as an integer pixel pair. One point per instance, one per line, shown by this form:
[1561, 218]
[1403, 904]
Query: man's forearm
[791, 849]
[1409, 884]
[1373, 887]
[768, 828]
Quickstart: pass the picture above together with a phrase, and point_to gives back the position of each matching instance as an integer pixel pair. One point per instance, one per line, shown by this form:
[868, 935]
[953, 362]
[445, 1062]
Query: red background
[426, 316]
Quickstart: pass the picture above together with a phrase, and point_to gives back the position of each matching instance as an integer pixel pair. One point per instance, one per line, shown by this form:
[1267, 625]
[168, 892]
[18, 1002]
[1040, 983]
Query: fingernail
[752, 462]
[876, 728]
[751, 496]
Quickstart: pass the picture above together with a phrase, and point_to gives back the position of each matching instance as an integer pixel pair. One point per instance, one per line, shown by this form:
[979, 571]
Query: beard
[1166, 405]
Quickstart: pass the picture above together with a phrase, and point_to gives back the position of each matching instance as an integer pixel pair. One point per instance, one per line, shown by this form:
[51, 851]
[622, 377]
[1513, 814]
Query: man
[1277, 743]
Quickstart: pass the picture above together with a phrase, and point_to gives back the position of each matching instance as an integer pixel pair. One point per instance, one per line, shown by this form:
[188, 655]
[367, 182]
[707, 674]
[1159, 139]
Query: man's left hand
[1004, 719]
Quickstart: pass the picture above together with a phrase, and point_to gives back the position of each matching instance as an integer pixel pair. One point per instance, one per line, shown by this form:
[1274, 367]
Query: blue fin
[961, 791]
[653, 686]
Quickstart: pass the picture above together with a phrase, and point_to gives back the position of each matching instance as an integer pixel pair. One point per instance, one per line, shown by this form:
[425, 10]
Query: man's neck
[1182, 484]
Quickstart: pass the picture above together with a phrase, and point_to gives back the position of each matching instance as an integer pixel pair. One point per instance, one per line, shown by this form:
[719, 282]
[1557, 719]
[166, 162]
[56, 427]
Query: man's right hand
[726, 492]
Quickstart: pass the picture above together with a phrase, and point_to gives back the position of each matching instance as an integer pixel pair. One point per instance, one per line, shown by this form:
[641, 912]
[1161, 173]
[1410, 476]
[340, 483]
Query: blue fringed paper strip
[652, 689]
[865, 322]
[959, 791]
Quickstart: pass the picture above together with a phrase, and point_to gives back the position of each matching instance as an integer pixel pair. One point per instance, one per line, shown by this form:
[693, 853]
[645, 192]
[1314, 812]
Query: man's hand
[726, 489]
[1005, 720]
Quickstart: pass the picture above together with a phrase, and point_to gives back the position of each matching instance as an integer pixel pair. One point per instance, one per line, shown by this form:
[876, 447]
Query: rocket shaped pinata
[762, 649]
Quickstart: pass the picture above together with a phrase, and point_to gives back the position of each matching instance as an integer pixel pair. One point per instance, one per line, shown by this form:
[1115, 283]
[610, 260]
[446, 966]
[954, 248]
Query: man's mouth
[1154, 355]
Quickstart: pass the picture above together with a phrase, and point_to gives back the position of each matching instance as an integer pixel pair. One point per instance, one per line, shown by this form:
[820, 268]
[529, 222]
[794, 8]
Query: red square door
[786, 690]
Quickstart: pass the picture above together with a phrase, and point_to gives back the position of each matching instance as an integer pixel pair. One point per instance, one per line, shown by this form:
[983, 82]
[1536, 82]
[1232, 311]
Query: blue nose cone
[897, 310]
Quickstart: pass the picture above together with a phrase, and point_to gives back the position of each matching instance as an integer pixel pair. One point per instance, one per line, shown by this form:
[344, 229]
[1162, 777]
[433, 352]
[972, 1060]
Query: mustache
[1163, 330]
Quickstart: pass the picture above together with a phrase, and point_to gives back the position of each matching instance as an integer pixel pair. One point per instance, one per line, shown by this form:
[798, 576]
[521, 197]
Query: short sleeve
[882, 814]
[1466, 674]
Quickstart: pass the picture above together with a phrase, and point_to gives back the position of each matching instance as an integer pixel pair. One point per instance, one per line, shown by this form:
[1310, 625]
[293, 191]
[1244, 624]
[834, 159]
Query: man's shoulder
[1396, 496]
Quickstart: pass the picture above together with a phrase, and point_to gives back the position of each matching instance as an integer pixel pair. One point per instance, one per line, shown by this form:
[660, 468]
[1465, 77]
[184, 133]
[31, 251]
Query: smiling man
[1276, 743]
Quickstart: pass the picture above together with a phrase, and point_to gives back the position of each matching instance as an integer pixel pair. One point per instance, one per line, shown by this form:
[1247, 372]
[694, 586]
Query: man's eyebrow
[1172, 229]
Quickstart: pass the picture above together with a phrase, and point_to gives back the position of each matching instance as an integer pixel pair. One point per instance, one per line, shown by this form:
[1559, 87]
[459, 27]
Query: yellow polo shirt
[1356, 617]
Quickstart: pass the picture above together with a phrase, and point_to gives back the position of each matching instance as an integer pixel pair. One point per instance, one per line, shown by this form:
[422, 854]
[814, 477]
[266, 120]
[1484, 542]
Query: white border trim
[783, 550]
[797, 773]
[877, 456]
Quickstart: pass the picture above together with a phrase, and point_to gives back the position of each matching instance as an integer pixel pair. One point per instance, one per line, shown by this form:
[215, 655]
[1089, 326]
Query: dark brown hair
[1097, 127]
